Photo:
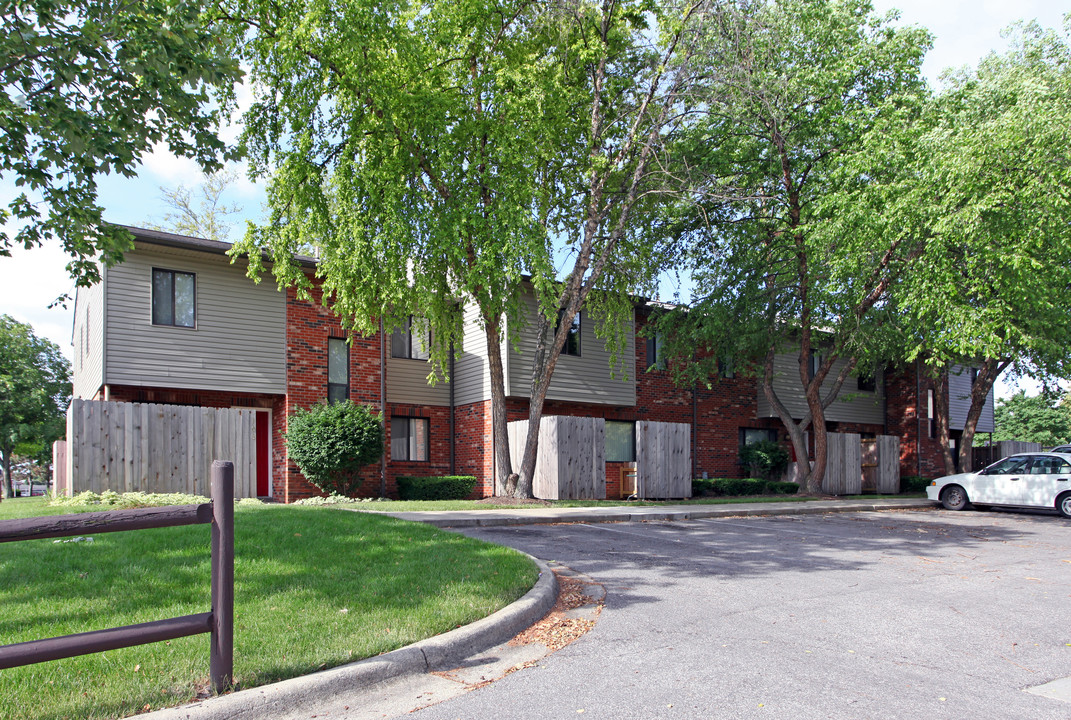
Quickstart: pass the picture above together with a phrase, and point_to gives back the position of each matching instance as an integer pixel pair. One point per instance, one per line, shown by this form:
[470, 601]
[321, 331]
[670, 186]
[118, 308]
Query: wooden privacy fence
[999, 450]
[663, 460]
[219, 621]
[145, 447]
[854, 466]
[570, 463]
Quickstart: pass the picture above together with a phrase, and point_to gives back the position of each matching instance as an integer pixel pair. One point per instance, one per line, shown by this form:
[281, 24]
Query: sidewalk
[625, 513]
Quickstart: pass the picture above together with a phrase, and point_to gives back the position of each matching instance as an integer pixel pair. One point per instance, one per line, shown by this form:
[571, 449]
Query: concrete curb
[436, 653]
[494, 518]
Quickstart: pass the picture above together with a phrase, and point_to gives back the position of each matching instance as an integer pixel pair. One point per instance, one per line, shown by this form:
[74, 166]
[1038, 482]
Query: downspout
[695, 429]
[453, 439]
[383, 408]
[918, 420]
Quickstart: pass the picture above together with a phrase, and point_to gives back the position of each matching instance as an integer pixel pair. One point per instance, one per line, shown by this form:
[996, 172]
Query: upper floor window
[572, 340]
[173, 298]
[868, 383]
[814, 366]
[656, 354]
[338, 370]
[726, 368]
[411, 340]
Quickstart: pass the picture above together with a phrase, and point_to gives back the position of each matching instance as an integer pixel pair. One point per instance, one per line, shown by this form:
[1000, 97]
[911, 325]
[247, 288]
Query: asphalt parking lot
[859, 615]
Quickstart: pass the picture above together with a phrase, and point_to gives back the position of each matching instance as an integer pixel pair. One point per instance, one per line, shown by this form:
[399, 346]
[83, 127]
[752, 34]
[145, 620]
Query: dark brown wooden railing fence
[219, 622]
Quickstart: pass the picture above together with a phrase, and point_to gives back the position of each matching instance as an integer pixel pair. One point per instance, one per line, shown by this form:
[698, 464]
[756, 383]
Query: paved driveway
[869, 615]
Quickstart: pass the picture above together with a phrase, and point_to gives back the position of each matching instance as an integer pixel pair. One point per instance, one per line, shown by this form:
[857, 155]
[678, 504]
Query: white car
[1036, 480]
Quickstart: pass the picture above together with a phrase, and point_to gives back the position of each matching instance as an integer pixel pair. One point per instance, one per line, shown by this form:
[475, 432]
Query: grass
[444, 505]
[315, 587]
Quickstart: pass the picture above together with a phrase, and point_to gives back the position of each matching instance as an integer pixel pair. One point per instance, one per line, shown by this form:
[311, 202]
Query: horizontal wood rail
[219, 622]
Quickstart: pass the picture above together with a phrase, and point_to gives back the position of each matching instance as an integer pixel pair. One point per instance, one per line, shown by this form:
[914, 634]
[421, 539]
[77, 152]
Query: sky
[965, 31]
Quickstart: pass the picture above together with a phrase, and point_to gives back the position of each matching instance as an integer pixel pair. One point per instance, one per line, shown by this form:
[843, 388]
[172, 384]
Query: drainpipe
[918, 420]
[383, 408]
[453, 439]
[695, 429]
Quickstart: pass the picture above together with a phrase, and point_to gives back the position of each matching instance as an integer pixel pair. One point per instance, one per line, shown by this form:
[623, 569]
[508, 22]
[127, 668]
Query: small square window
[338, 370]
[572, 340]
[173, 298]
[620, 441]
[411, 340]
[868, 383]
[409, 439]
[749, 436]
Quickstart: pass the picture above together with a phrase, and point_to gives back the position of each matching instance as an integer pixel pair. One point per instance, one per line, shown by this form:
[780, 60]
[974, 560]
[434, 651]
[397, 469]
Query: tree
[810, 113]
[201, 212]
[35, 389]
[90, 87]
[1041, 418]
[432, 154]
[992, 196]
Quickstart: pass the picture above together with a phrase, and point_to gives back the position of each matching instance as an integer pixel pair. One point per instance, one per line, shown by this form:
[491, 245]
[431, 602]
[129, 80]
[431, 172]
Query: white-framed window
[338, 369]
[749, 436]
[173, 298]
[411, 340]
[931, 414]
[409, 438]
[620, 441]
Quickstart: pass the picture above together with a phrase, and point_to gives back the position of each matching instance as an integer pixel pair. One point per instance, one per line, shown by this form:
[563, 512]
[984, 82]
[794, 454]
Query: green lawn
[406, 505]
[314, 587]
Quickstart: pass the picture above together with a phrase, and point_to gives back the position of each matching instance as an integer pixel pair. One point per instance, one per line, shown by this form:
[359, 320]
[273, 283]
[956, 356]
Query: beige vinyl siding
[588, 378]
[238, 342]
[407, 382]
[852, 405]
[959, 401]
[472, 376]
[88, 340]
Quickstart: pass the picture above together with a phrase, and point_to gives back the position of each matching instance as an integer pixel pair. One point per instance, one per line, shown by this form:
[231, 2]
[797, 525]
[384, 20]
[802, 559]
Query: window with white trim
[338, 370]
[411, 340]
[173, 301]
[409, 438]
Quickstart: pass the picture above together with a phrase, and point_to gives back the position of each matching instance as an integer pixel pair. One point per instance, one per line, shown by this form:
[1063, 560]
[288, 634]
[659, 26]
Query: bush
[913, 484]
[775, 487]
[127, 501]
[704, 486]
[332, 442]
[447, 487]
[741, 486]
[766, 459]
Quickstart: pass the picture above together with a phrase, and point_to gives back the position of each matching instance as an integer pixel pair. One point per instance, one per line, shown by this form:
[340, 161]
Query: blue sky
[966, 30]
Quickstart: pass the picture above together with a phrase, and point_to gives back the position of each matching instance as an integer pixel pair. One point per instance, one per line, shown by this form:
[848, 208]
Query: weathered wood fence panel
[145, 447]
[881, 464]
[663, 460]
[844, 465]
[59, 467]
[570, 461]
[888, 470]
[989, 454]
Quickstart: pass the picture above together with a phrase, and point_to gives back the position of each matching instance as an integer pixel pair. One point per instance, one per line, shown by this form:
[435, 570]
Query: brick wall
[908, 419]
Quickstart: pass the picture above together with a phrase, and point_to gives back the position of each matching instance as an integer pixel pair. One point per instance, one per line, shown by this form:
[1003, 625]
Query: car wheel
[954, 497]
[1063, 504]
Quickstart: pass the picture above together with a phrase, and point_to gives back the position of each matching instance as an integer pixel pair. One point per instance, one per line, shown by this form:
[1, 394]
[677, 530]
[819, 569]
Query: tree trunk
[987, 376]
[505, 479]
[940, 402]
[5, 460]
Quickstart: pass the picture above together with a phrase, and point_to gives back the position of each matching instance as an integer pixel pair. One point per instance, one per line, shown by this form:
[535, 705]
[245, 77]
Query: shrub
[766, 459]
[126, 501]
[775, 487]
[913, 484]
[704, 486]
[332, 442]
[741, 486]
[447, 487]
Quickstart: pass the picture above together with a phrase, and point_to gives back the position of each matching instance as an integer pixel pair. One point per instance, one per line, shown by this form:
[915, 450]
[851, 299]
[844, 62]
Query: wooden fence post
[221, 658]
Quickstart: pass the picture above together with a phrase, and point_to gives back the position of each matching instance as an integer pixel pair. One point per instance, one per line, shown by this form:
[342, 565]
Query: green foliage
[127, 500]
[35, 389]
[446, 487]
[729, 487]
[90, 88]
[336, 499]
[1044, 418]
[331, 443]
[913, 484]
[765, 459]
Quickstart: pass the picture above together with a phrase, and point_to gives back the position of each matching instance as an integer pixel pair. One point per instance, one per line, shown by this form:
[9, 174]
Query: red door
[263, 454]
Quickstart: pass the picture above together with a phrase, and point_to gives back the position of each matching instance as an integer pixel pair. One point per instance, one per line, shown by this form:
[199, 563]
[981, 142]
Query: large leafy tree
[89, 87]
[1043, 418]
[35, 389]
[994, 199]
[811, 114]
[440, 154]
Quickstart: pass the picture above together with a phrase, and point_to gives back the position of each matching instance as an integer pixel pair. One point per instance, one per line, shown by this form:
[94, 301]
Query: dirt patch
[559, 627]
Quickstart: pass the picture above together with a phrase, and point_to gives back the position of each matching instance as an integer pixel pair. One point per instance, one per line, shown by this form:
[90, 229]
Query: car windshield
[1007, 465]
